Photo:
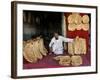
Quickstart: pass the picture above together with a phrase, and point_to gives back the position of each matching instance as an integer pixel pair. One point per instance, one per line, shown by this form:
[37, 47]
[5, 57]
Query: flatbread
[83, 46]
[76, 60]
[42, 48]
[57, 57]
[63, 60]
[77, 47]
[71, 27]
[28, 53]
[74, 18]
[77, 18]
[36, 50]
[85, 19]
[79, 26]
[85, 27]
[71, 48]
[70, 19]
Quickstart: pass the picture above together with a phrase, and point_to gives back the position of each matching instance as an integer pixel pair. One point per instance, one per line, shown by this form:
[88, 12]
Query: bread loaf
[63, 60]
[76, 60]
[42, 48]
[28, 53]
[33, 50]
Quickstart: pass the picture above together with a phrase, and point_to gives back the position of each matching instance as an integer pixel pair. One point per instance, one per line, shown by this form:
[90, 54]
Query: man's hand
[71, 40]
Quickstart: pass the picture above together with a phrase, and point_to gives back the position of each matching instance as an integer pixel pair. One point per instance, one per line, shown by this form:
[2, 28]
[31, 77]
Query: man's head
[56, 35]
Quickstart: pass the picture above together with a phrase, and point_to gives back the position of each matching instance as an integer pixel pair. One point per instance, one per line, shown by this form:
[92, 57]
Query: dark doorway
[41, 23]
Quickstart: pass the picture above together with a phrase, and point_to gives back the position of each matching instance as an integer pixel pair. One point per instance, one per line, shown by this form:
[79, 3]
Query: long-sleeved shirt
[57, 45]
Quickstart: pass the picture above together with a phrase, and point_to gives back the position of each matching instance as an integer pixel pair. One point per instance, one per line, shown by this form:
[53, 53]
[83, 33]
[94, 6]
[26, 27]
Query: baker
[56, 43]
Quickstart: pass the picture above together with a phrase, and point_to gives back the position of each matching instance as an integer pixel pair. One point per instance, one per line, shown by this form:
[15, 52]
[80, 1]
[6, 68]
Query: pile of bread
[34, 50]
[75, 49]
[75, 60]
[78, 46]
[78, 22]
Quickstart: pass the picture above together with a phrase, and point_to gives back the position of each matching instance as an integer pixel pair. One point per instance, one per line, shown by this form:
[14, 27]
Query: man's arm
[67, 39]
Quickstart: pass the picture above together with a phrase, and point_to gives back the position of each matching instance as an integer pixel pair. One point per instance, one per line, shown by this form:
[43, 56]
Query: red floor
[49, 62]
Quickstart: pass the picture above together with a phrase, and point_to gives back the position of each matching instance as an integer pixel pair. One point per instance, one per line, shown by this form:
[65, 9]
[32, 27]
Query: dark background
[37, 23]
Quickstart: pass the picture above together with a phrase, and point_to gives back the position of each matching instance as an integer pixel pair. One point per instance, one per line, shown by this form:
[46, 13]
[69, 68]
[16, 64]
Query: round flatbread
[85, 19]
[71, 27]
[85, 27]
[77, 18]
[70, 19]
[79, 26]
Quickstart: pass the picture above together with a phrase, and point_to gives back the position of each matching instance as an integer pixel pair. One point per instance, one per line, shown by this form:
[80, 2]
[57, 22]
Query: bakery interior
[40, 25]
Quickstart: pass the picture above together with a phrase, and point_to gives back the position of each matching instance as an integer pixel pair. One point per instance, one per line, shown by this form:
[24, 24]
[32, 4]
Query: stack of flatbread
[77, 18]
[76, 22]
[34, 50]
[74, 18]
[78, 46]
[63, 60]
[83, 46]
[71, 48]
[66, 60]
[76, 60]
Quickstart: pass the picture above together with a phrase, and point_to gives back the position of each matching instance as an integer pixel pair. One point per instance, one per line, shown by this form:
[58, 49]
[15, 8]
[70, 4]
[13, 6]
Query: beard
[56, 38]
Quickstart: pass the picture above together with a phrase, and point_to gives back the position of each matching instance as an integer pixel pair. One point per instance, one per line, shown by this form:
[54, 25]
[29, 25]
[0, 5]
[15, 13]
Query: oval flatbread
[77, 47]
[83, 46]
[42, 48]
[85, 19]
[77, 18]
[70, 19]
[79, 26]
[85, 27]
[71, 27]
[36, 50]
[65, 60]
[28, 53]
[71, 48]
[57, 57]
[76, 60]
